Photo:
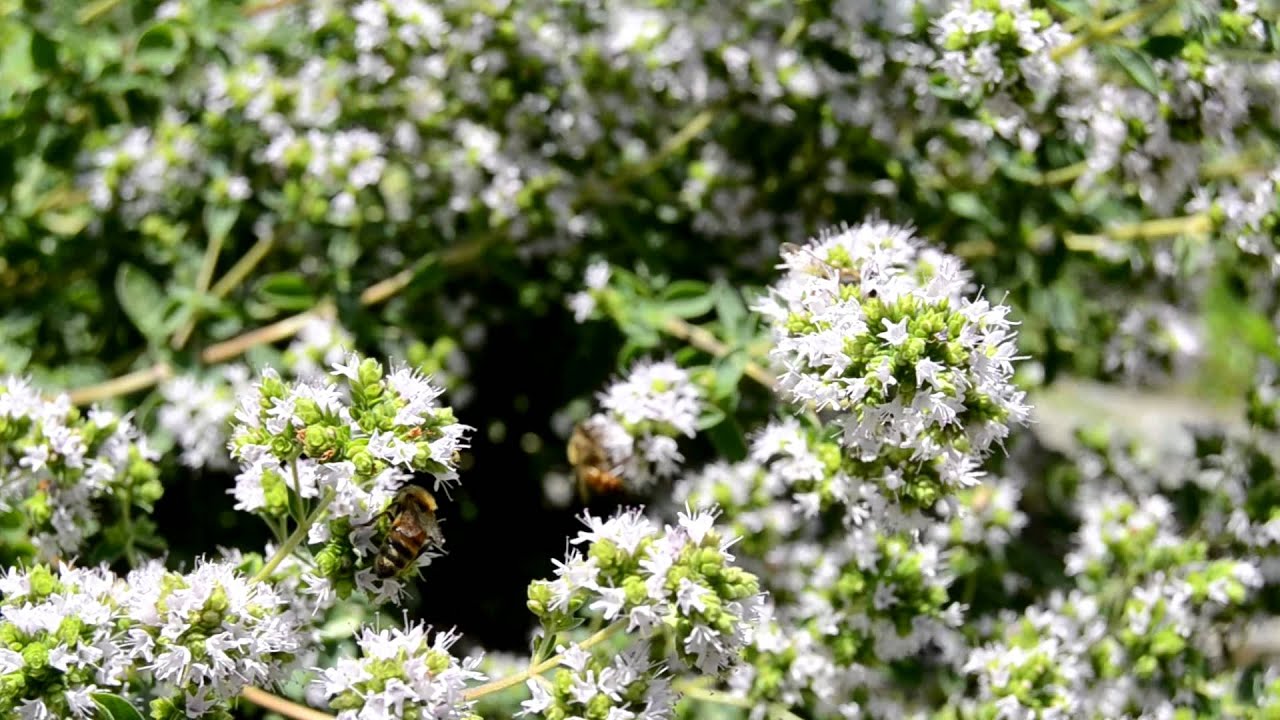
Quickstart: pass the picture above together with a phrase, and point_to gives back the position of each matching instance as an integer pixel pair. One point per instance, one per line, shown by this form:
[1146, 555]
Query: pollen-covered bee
[592, 463]
[413, 527]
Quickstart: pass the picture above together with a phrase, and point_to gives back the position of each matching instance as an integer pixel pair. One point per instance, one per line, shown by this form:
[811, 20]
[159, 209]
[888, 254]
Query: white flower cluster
[856, 580]
[197, 413]
[626, 683]
[192, 641]
[58, 467]
[146, 165]
[584, 303]
[1088, 655]
[401, 674]
[872, 324]
[642, 416]
[319, 345]
[678, 579]
[351, 447]
[207, 634]
[987, 44]
[1246, 211]
[1110, 522]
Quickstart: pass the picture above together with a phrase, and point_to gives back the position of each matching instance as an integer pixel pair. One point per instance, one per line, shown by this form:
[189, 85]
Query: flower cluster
[348, 449]
[403, 674]
[59, 644]
[642, 415]
[191, 642]
[625, 685]
[999, 46]
[201, 637]
[584, 302]
[61, 470]
[318, 346]
[676, 582]
[1247, 212]
[871, 323]
[197, 413]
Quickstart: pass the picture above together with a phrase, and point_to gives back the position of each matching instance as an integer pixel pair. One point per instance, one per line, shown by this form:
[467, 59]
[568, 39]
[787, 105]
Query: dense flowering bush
[908, 359]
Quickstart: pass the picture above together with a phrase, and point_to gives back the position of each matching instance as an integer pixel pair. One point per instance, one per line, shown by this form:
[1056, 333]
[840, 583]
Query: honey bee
[413, 527]
[591, 461]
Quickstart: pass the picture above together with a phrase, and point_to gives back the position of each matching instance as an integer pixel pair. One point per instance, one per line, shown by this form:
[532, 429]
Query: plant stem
[279, 330]
[377, 293]
[546, 644]
[1111, 27]
[123, 385]
[712, 696]
[299, 535]
[242, 268]
[297, 490]
[266, 6]
[210, 262]
[93, 11]
[225, 284]
[694, 692]
[710, 344]
[1146, 230]
[277, 704]
[1063, 175]
[501, 684]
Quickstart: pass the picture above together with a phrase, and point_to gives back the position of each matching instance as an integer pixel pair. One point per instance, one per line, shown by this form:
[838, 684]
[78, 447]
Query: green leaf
[684, 289]
[731, 310]
[44, 52]
[689, 307]
[729, 373]
[286, 291]
[710, 417]
[114, 707]
[218, 221]
[727, 438]
[161, 46]
[967, 205]
[1138, 67]
[142, 300]
[1164, 46]
[66, 223]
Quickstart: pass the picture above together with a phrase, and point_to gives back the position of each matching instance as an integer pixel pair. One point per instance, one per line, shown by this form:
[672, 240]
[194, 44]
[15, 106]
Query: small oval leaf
[286, 291]
[114, 707]
[142, 300]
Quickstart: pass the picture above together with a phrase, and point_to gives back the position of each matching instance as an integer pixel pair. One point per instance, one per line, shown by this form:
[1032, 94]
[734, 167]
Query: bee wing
[430, 525]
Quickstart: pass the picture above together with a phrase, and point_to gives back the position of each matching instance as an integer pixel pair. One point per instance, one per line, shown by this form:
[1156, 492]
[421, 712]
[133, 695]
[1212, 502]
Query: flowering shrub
[908, 359]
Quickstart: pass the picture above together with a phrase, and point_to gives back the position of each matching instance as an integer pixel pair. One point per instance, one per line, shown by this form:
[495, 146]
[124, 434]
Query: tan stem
[710, 344]
[277, 704]
[1111, 27]
[501, 684]
[123, 385]
[276, 331]
[242, 268]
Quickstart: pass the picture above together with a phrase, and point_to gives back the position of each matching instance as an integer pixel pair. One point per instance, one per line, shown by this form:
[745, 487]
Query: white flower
[413, 683]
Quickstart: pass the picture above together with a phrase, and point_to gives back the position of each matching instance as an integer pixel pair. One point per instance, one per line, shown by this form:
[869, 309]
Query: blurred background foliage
[189, 184]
